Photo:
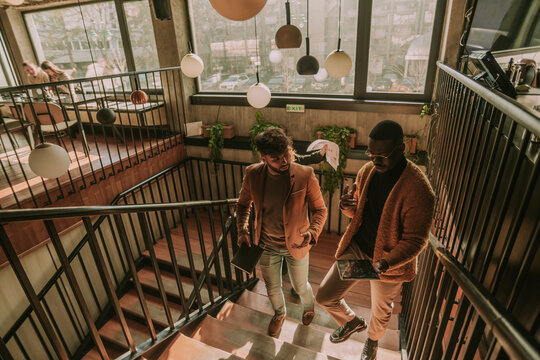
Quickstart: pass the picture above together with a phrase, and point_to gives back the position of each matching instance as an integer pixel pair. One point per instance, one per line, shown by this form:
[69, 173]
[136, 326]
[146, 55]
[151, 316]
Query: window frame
[6, 64]
[361, 98]
[120, 17]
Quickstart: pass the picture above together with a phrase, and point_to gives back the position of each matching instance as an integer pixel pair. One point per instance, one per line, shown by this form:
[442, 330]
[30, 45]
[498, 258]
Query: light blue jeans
[271, 262]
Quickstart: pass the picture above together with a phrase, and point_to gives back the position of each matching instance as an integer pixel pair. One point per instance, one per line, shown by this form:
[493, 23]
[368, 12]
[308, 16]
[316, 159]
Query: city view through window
[399, 46]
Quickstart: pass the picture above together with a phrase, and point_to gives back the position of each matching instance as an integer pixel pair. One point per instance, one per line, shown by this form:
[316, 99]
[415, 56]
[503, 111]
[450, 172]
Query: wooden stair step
[363, 311]
[112, 333]
[322, 319]
[186, 348]
[250, 345]
[130, 303]
[295, 333]
[148, 280]
[93, 354]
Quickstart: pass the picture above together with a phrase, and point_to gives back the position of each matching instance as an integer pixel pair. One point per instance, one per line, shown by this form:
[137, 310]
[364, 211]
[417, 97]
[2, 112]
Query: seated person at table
[34, 74]
[57, 74]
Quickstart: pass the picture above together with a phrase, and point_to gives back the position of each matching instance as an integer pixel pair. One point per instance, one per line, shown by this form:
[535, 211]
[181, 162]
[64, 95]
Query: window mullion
[362, 48]
[434, 48]
[124, 34]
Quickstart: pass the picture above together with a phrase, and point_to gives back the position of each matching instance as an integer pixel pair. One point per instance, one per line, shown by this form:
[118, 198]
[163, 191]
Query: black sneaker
[370, 350]
[342, 333]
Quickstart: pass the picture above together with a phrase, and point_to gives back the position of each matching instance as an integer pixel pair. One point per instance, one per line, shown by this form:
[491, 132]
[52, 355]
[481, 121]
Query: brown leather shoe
[275, 325]
[370, 350]
[308, 315]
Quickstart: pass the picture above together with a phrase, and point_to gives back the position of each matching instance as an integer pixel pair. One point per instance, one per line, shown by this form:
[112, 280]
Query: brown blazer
[304, 190]
[405, 221]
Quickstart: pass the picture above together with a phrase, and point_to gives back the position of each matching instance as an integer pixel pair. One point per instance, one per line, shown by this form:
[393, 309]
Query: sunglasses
[373, 156]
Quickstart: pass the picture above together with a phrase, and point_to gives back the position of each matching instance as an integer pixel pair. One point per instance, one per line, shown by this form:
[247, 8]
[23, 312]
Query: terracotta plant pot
[410, 145]
[228, 131]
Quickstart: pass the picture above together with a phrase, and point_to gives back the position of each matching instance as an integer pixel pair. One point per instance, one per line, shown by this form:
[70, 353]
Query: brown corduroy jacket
[304, 190]
[404, 225]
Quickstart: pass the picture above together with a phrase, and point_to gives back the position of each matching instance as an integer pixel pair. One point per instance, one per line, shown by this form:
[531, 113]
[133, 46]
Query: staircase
[239, 329]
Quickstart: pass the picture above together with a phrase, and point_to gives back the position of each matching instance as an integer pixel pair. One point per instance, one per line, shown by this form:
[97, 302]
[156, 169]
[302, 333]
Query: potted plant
[259, 126]
[342, 136]
[216, 141]
[228, 130]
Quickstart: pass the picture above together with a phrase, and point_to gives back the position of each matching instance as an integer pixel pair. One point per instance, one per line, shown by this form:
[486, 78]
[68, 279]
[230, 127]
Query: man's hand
[347, 199]
[307, 239]
[323, 149]
[243, 237]
[380, 266]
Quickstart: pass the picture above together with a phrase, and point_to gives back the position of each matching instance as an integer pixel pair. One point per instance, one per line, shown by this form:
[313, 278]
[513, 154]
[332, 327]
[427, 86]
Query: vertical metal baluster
[19, 271]
[13, 192]
[130, 126]
[107, 283]
[153, 259]
[217, 263]
[174, 262]
[223, 165]
[132, 224]
[206, 271]
[23, 350]
[193, 187]
[116, 246]
[91, 124]
[4, 352]
[122, 127]
[55, 239]
[200, 180]
[152, 115]
[89, 281]
[133, 269]
[39, 336]
[56, 327]
[473, 339]
[167, 101]
[463, 310]
[70, 310]
[194, 277]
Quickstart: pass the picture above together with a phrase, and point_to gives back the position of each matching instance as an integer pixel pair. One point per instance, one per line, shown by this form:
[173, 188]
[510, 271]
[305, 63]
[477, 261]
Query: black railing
[117, 241]
[55, 112]
[480, 296]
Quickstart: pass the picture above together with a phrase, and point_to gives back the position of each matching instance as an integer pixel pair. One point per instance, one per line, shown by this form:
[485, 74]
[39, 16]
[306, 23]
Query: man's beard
[279, 171]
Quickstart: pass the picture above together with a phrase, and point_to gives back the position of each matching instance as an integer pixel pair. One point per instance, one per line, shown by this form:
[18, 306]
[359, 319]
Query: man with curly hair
[281, 192]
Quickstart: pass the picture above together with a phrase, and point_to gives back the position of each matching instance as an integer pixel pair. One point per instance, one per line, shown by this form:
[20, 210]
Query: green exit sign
[295, 108]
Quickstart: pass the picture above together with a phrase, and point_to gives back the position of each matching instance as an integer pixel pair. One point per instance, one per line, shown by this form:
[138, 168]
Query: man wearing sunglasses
[391, 205]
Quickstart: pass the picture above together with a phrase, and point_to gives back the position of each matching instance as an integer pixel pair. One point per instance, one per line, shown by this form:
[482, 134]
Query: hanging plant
[342, 137]
[259, 126]
[216, 142]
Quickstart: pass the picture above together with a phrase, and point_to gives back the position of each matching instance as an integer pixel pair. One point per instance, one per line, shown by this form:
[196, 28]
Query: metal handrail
[518, 112]
[514, 341]
[86, 211]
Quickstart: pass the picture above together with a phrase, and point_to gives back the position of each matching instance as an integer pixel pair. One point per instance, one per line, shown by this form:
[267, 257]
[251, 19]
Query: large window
[7, 72]
[228, 48]
[389, 41]
[58, 35]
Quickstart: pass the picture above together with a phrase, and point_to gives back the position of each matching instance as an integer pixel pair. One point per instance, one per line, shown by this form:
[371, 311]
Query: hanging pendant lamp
[238, 10]
[307, 65]
[258, 95]
[49, 161]
[15, 2]
[338, 63]
[288, 36]
[192, 65]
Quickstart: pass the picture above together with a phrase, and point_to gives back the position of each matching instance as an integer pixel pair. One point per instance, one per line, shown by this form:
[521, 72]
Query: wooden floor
[18, 184]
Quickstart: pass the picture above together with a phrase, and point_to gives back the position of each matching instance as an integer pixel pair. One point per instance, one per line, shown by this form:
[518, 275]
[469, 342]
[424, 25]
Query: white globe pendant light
[258, 95]
[275, 56]
[49, 161]
[192, 65]
[321, 75]
[338, 63]
[15, 2]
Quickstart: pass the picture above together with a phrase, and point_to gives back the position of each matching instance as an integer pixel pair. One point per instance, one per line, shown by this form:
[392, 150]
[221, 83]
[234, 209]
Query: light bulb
[275, 56]
[49, 160]
[192, 65]
[321, 75]
[338, 64]
[258, 95]
[15, 2]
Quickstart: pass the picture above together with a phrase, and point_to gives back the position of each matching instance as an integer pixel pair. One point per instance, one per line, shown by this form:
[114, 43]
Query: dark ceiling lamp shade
[338, 63]
[138, 97]
[307, 65]
[162, 9]
[238, 10]
[288, 36]
[106, 116]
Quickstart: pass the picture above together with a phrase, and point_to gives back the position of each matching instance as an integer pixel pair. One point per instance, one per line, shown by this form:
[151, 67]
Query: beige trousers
[332, 292]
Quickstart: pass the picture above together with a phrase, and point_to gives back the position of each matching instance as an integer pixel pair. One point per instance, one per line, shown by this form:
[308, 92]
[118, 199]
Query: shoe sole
[344, 338]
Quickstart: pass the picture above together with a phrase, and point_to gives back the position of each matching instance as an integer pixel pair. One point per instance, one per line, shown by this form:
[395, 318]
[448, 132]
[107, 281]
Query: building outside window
[7, 71]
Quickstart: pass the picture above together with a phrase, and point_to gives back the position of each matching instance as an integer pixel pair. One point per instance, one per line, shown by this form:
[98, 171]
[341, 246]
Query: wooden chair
[51, 118]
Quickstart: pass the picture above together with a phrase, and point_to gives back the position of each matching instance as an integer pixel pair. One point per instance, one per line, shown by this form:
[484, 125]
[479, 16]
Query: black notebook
[356, 269]
[246, 257]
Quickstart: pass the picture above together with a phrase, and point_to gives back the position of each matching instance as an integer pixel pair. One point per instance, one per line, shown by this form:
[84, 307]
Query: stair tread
[93, 354]
[322, 319]
[186, 348]
[250, 345]
[112, 332]
[295, 333]
[147, 278]
[351, 299]
[130, 302]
